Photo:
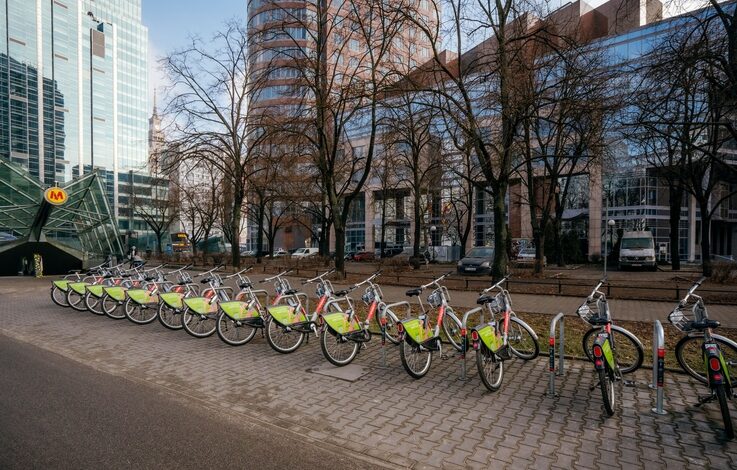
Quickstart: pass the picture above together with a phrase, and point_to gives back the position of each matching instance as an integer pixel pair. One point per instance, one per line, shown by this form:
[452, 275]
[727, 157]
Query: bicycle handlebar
[596, 289]
[318, 278]
[283, 273]
[239, 272]
[423, 287]
[691, 291]
[210, 271]
[368, 279]
[498, 284]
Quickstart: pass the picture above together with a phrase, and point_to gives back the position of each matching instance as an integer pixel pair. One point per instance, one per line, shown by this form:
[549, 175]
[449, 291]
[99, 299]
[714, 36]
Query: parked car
[527, 256]
[305, 252]
[636, 250]
[248, 253]
[279, 252]
[477, 261]
[364, 256]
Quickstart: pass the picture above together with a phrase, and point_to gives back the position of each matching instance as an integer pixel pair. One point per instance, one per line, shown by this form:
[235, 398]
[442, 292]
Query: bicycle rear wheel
[112, 308]
[392, 333]
[93, 303]
[690, 356]
[491, 369]
[170, 317]
[233, 332]
[199, 326]
[721, 392]
[606, 383]
[281, 339]
[522, 340]
[452, 330]
[415, 360]
[139, 314]
[76, 300]
[338, 350]
[629, 349]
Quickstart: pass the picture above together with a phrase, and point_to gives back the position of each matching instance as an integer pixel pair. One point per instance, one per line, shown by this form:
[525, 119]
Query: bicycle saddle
[150, 278]
[413, 292]
[245, 285]
[290, 291]
[485, 299]
[206, 280]
[341, 293]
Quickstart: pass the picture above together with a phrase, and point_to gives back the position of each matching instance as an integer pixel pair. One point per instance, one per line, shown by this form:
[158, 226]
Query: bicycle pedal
[703, 400]
[444, 357]
[597, 384]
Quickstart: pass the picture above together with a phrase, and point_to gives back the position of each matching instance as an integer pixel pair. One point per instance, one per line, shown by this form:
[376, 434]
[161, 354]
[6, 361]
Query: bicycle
[60, 287]
[288, 324]
[494, 345]
[344, 333]
[239, 319]
[418, 339]
[142, 305]
[171, 304]
[113, 301]
[200, 314]
[711, 359]
[605, 349]
[76, 291]
[94, 292]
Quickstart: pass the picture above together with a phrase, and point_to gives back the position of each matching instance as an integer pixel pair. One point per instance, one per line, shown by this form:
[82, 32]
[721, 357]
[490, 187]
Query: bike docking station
[382, 363]
[559, 322]
[463, 377]
[658, 367]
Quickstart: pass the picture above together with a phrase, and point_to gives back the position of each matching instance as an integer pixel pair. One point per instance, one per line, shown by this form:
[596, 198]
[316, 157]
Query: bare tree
[201, 191]
[210, 117]
[159, 211]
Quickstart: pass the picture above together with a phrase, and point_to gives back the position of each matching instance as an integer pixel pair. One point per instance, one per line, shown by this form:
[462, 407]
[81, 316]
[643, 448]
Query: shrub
[724, 272]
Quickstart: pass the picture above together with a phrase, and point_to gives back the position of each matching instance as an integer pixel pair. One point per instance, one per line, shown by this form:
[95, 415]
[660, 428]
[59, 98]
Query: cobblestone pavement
[437, 421]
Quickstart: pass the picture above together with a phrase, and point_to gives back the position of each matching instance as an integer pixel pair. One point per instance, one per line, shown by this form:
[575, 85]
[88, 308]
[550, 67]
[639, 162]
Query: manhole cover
[350, 373]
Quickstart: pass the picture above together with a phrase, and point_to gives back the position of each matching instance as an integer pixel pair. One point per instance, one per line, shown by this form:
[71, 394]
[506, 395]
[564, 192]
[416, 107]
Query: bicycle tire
[392, 332]
[524, 342]
[488, 365]
[328, 339]
[230, 331]
[75, 300]
[415, 361]
[274, 332]
[198, 325]
[112, 308]
[93, 303]
[59, 297]
[607, 391]
[630, 353]
[452, 329]
[690, 357]
[721, 392]
[139, 314]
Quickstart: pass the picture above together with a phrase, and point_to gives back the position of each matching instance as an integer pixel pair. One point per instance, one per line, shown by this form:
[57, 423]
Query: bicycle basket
[368, 296]
[684, 316]
[320, 290]
[435, 299]
[592, 311]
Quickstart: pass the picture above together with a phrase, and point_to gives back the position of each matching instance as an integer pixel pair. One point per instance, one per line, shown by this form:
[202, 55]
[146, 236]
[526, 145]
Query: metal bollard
[464, 348]
[658, 367]
[558, 321]
[383, 364]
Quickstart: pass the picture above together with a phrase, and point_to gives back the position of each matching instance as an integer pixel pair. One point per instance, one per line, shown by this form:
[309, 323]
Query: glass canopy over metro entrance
[72, 228]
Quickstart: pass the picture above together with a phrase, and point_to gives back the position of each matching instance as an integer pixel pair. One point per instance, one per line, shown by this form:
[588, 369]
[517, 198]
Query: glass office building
[73, 89]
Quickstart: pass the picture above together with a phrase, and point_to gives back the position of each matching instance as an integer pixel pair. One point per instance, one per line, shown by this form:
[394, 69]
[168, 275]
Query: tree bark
[705, 240]
[417, 233]
[501, 260]
[235, 226]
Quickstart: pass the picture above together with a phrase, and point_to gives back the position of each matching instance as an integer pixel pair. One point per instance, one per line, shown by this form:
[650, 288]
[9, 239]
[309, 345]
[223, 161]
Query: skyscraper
[73, 89]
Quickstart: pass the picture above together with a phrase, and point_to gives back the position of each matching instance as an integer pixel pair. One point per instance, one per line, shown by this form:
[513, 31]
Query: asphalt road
[57, 413]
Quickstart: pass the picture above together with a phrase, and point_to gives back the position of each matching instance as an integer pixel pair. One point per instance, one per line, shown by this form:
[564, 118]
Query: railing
[558, 321]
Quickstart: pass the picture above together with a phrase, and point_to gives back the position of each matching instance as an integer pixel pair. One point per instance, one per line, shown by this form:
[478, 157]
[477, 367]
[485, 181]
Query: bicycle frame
[418, 330]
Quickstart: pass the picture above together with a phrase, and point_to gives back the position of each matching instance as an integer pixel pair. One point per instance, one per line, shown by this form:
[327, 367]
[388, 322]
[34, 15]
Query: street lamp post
[432, 240]
[608, 242]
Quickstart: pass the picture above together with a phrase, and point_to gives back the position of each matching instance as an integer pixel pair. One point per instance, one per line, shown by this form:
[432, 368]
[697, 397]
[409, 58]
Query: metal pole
[383, 364]
[561, 352]
[659, 367]
[551, 354]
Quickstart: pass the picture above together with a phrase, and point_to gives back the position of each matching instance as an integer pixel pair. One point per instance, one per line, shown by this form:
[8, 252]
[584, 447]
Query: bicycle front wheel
[522, 340]
[629, 349]
[282, 340]
[491, 369]
[112, 308]
[233, 332]
[59, 297]
[452, 330]
[721, 392]
[139, 314]
[93, 304]
[415, 360]
[199, 326]
[690, 356]
[338, 350]
[606, 383]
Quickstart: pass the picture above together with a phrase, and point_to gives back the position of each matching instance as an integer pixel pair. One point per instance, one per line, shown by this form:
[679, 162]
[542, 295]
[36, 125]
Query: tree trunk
[705, 240]
[675, 197]
[539, 238]
[501, 260]
[260, 234]
[382, 240]
[235, 227]
[339, 246]
[158, 243]
[418, 226]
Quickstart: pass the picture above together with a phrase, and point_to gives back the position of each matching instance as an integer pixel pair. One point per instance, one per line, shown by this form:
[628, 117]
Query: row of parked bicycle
[492, 329]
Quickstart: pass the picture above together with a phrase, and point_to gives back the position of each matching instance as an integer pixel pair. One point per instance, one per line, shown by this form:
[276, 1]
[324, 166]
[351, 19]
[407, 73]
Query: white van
[637, 250]
[305, 252]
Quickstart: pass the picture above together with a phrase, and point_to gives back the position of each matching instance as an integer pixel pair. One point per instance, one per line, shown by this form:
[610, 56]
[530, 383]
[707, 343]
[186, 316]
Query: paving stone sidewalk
[437, 421]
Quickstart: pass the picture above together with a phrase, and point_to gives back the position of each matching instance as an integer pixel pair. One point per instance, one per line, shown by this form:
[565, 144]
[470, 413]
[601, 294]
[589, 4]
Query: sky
[171, 22]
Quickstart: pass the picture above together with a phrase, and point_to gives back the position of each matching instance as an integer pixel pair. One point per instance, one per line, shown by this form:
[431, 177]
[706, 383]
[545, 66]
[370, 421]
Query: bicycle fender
[172, 299]
[338, 322]
[238, 310]
[95, 290]
[115, 293]
[62, 284]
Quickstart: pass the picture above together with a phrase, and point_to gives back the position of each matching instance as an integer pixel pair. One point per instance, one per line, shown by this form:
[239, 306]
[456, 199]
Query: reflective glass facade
[73, 89]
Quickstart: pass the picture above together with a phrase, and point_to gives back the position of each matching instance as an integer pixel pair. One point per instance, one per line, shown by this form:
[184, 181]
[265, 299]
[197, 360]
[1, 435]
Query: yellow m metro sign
[55, 196]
